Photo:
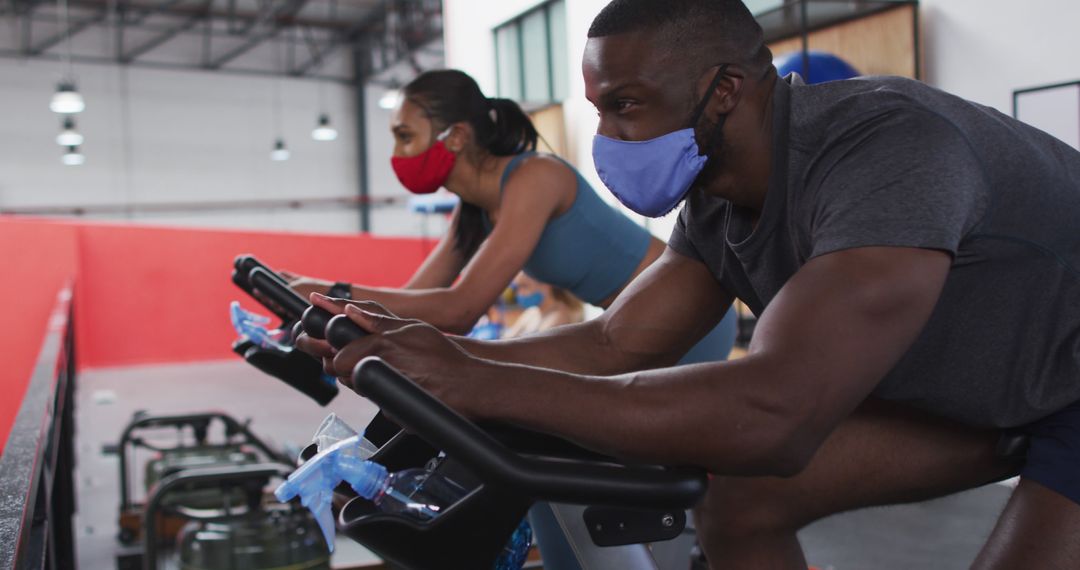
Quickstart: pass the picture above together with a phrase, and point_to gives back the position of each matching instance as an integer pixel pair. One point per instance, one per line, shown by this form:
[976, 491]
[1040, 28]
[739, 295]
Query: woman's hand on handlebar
[305, 286]
[416, 349]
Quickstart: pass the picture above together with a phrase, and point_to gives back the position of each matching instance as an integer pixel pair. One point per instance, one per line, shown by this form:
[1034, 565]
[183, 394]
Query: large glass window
[508, 56]
[530, 53]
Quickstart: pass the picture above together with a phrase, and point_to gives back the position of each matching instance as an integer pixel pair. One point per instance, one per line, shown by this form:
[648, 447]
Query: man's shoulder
[838, 106]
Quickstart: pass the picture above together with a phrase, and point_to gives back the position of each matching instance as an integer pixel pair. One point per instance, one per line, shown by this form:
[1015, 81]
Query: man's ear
[726, 94]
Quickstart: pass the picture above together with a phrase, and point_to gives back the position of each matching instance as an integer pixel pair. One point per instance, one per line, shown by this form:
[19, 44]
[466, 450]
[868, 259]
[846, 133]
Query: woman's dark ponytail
[502, 128]
[513, 131]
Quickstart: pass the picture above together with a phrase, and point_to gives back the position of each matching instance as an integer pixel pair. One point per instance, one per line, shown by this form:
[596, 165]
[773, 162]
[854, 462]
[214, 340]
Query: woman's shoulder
[541, 169]
[543, 164]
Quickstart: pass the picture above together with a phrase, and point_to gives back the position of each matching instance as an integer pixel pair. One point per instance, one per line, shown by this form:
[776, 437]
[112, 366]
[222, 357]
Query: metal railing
[37, 495]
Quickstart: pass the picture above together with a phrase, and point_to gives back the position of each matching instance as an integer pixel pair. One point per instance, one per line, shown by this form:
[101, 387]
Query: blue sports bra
[590, 250]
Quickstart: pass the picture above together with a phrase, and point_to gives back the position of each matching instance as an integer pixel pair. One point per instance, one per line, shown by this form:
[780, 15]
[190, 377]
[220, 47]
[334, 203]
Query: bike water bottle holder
[505, 471]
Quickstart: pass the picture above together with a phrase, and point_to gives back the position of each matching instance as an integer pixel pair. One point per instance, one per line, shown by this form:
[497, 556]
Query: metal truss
[380, 33]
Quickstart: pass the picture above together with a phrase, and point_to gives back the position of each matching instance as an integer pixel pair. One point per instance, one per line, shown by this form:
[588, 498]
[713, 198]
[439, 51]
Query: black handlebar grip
[244, 264]
[275, 289]
[340, 331]
[314, 321]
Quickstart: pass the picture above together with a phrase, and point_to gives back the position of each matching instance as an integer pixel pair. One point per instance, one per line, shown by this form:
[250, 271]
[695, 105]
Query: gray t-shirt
[893, 162]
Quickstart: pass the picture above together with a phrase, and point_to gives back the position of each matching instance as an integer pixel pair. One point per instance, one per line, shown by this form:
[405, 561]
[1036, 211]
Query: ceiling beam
[160, 39]
[145, 13]
[376, 22]
[287, 10]
[55, 39]
[181, 9]
[15, 54]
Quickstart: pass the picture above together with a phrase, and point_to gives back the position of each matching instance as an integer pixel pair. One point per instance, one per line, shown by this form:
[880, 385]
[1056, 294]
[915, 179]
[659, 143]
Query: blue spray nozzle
[315, 480]
[313, 495]
[252, 326]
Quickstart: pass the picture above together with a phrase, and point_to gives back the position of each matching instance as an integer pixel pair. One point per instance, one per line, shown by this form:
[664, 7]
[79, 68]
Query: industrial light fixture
[67, 100]
[390, 99]
[73, 157]
[279, 153]
[324, 132]
[69, 136]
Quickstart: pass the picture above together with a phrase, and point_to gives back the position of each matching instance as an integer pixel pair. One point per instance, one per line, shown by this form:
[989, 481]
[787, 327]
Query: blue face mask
[651, 177]
[531, 300]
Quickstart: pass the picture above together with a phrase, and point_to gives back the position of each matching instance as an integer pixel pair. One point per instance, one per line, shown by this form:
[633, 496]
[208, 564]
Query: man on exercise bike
[912, 257]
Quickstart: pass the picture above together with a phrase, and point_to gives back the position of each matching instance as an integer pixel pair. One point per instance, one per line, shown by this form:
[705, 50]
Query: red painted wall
[35, 261]
[149, 295]
[152, 294]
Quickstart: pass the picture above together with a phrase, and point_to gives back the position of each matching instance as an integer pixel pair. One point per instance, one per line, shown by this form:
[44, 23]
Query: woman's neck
[479, 183]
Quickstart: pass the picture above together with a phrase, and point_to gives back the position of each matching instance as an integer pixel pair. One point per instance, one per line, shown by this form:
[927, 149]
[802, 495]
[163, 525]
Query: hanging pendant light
[73, 157]
[69, 136]
[324, 132]
[279, 153]
[67, 100]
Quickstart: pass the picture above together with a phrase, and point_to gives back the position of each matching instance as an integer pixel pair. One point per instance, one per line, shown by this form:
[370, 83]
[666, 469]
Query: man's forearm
[668, 416]
[582, 348]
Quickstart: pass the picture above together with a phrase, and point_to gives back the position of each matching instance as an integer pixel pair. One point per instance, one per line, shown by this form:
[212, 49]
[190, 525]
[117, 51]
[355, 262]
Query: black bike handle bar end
[340, 331]
[314, 321]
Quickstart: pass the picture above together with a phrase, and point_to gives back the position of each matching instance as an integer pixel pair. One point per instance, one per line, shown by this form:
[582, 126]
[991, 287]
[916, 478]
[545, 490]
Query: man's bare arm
[660, 315]
[827, 339]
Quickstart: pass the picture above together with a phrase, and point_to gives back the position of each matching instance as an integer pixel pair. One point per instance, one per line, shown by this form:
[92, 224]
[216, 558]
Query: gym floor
[942, 534]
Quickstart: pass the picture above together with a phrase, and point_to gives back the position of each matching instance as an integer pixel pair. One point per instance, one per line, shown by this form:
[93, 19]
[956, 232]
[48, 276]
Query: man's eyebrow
[614, 92]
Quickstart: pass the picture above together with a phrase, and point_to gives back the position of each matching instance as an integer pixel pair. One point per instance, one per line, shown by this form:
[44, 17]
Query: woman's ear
[461, 134]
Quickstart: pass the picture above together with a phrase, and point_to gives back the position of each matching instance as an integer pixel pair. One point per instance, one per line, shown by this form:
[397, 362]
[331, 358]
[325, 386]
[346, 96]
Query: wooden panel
[881, 44]
[551, 125]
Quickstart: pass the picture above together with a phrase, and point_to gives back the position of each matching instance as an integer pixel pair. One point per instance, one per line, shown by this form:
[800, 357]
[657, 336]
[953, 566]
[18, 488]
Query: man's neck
[748, 157]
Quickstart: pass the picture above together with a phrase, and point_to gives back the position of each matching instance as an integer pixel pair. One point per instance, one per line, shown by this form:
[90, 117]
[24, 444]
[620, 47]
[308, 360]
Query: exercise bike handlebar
[243, 265]
[271, 286]
[340, 331]
[253, 276]
[559, 479]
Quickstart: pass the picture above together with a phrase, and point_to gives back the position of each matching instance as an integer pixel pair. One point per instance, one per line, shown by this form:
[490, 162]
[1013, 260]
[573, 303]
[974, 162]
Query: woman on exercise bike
[519, 209]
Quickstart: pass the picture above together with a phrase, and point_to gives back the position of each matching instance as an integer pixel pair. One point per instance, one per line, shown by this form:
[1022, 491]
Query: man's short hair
[709, 32]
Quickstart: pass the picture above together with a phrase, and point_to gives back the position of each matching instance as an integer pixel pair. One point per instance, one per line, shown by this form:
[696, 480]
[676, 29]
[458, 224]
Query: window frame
[517, 22]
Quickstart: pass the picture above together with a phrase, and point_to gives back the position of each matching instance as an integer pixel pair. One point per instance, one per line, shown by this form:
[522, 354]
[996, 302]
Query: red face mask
[427, 171]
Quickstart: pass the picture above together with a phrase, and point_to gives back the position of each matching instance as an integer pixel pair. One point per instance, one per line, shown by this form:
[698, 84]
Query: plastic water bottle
[418, 493]
[333, 429]
[423, 495]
